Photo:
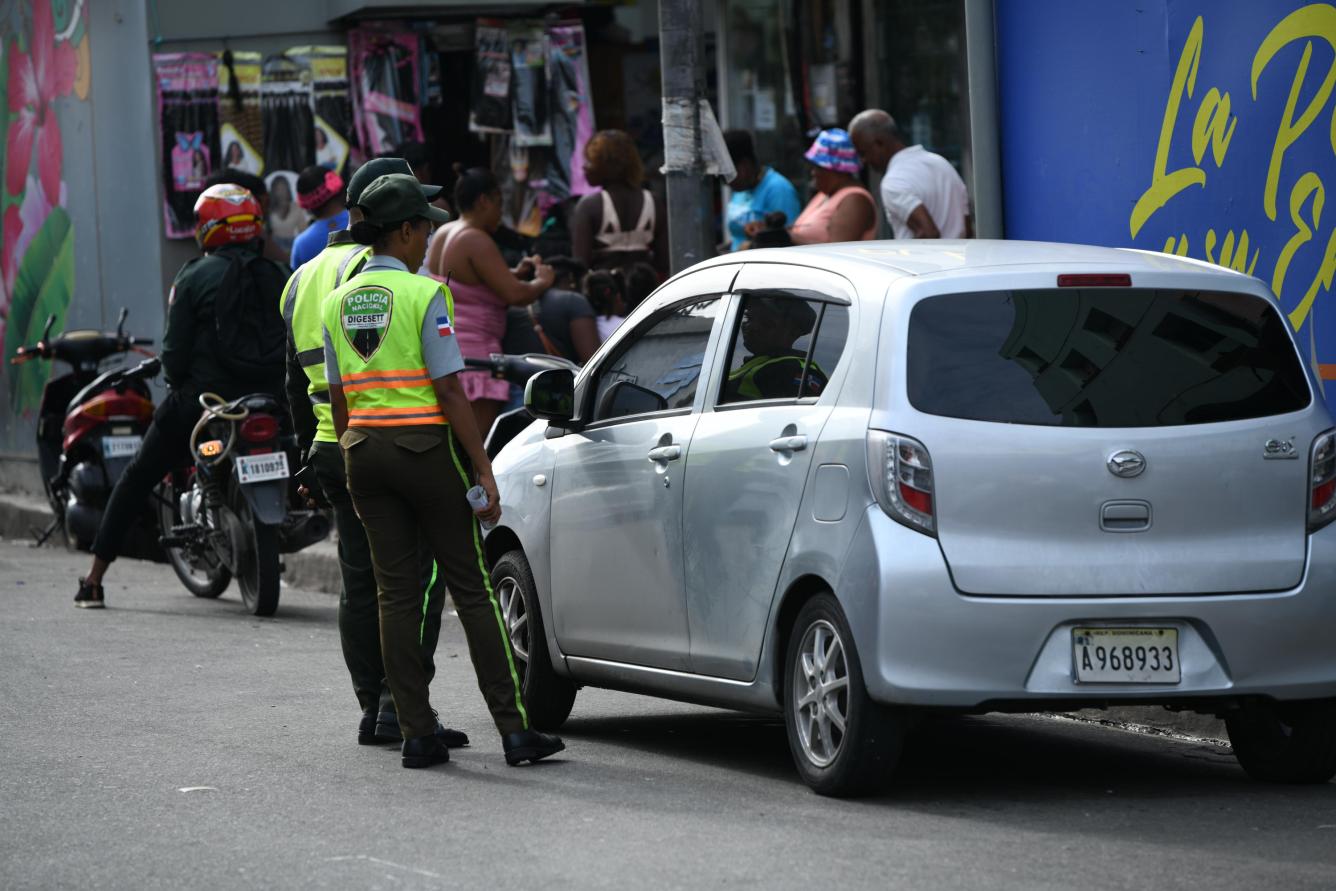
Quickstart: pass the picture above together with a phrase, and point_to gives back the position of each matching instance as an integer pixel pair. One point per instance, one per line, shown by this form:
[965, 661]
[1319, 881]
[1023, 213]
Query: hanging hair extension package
[241, 130]
[187, 87]
[490, 112]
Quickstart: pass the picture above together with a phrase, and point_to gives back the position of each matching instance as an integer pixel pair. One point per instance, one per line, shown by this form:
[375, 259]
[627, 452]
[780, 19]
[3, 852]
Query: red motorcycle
[90, 425]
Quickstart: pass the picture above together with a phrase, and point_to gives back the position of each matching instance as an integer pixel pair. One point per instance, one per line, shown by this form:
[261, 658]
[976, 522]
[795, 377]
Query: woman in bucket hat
[841, 209]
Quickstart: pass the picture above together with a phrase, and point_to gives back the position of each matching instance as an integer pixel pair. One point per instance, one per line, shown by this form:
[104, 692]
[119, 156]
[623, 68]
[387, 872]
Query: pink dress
[813, 224]
[480, 323]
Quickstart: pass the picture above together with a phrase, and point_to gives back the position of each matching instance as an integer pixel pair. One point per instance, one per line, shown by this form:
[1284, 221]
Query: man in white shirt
[921, 193]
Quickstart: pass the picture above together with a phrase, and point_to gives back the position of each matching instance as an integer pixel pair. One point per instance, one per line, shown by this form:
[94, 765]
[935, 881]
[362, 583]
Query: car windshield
[1105, 357]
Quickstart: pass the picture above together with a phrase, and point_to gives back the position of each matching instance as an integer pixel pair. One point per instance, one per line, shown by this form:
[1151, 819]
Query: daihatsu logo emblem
[1127, 463]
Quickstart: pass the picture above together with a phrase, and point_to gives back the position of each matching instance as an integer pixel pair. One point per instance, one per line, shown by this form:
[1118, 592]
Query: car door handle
[665, 453]
[789, 443]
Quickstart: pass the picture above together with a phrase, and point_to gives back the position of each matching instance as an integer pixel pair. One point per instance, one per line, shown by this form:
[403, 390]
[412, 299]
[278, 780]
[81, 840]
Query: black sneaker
[90, 596]
[424, 751]
[530, 745]
[386, 730]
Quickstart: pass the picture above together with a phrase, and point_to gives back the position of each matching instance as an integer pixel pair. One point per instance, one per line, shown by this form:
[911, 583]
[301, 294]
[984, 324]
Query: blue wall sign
[1205, 128]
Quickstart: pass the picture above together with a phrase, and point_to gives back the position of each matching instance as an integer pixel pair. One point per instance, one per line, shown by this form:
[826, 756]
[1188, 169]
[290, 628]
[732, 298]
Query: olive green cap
[396, 197]
[378, 167]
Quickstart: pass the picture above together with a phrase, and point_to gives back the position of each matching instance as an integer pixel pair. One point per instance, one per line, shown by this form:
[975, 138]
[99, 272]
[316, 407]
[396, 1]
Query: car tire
[548, 697]
[859, 759]
[1285, 742]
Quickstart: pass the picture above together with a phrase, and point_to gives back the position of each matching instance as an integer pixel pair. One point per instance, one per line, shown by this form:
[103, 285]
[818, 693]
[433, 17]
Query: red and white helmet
[226, 214]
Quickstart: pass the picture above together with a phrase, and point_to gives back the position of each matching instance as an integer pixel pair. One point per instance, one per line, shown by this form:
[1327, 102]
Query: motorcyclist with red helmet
[229, 229]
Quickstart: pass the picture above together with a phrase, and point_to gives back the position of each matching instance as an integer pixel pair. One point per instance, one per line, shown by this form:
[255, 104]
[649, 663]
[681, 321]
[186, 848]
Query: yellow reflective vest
[742, 380]
[374, 323]
[301, 304]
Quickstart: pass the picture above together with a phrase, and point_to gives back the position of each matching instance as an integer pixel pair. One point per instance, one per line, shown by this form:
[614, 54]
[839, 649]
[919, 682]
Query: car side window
[660, 366]
[781, 348]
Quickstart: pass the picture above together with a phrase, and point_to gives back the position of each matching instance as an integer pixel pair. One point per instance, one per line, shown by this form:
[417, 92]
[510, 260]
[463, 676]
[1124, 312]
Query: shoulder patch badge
[365, 317]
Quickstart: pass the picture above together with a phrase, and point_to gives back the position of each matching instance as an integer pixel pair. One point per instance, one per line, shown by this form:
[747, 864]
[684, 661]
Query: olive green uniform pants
[359, 612]
[410, 480]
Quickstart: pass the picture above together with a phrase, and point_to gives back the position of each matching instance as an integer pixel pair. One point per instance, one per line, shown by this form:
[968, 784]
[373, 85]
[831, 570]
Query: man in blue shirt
[320, 193]
[757, 190]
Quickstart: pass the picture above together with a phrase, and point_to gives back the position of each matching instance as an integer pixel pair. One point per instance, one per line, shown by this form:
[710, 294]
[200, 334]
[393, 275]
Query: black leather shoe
[424, 751]
[90, 596]
[366, 731]
[386, 730]
[530, 745]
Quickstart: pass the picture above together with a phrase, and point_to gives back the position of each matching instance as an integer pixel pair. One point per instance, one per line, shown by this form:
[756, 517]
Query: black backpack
[252, 338]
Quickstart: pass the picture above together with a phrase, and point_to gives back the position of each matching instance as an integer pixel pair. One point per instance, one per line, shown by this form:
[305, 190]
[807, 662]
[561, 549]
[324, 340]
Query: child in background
[603, 290]
[638, 281]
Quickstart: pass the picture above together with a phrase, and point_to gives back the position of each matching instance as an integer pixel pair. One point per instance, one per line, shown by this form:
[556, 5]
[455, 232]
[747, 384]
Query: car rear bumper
[921, 642]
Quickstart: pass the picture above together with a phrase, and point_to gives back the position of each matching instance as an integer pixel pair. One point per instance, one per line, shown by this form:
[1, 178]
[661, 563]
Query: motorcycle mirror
[120, 321]
[50, 321]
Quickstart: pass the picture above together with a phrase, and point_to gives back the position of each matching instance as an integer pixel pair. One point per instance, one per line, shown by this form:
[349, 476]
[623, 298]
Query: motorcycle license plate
[120, 446]
[259, 468]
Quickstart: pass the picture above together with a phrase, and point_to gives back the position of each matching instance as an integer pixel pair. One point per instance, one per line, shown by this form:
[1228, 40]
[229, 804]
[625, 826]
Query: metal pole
[681, 58]
[981, 60]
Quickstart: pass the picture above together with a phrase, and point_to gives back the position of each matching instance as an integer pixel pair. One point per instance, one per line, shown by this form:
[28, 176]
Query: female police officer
[408, 438]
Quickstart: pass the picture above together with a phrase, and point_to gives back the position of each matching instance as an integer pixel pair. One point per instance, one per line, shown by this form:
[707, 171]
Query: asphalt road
[170, 742]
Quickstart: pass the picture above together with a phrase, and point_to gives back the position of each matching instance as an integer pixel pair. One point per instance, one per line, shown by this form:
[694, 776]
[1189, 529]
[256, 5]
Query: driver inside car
[775, 368]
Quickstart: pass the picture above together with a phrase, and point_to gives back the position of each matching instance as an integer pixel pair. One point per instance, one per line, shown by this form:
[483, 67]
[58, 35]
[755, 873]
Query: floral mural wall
[44, 62]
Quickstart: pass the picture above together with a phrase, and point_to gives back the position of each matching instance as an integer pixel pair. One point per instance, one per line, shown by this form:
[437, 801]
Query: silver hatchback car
[849, 483]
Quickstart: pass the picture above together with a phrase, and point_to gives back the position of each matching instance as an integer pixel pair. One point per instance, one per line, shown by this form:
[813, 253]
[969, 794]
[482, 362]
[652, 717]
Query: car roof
[935, 256]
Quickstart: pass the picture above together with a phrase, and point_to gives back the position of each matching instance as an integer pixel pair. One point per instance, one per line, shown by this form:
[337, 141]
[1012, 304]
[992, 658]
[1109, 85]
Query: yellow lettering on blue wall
[1317, 20]
[1165, 184]
[1309, 184]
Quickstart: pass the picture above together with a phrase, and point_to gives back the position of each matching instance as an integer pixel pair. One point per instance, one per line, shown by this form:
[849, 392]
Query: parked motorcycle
[516, 369]
[90, 424]
[230, 514]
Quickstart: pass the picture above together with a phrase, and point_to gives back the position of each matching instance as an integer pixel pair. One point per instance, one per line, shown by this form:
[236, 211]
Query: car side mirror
[625, 398]
[550, 395]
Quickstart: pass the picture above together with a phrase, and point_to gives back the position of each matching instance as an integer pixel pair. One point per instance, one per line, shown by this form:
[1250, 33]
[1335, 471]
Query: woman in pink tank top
[841, 209]
[463, 254]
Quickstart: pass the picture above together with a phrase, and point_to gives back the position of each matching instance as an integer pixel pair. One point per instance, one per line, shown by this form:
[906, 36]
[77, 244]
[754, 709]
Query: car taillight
[900, 471]
[259, 428]
[1322, 493]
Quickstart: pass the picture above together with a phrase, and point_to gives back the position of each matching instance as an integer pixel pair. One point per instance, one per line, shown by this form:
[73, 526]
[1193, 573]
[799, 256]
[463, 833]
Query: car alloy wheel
[515, 615]
[821, 694]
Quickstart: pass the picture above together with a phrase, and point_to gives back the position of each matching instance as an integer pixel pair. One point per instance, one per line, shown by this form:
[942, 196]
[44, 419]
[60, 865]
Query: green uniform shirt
[301, 306]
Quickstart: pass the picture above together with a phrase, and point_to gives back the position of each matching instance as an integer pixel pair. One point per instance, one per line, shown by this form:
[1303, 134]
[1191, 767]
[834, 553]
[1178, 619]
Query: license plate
[120, 446]
[1126, 655]
[259, 468]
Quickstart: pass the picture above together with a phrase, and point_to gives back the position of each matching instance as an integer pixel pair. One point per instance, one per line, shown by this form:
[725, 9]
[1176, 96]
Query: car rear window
[1106, 357]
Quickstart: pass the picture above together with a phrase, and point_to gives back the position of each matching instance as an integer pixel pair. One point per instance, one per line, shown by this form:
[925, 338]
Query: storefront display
[241, 131]
[332, 104]
[187, 86]
[387, 81]
[491, 80]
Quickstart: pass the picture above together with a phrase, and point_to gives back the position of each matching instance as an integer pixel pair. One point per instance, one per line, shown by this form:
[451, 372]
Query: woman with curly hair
[621, 223]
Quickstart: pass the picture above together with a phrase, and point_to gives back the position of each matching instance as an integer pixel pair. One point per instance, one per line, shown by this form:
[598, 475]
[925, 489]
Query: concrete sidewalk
[317, 569]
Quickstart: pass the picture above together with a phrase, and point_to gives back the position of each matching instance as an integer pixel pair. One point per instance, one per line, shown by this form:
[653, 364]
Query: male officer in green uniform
[409, 440]
[775, 370]
[308, 396]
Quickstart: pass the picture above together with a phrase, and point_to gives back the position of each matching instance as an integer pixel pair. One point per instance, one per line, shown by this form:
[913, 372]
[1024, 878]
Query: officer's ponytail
[366, 232]
[374, 234]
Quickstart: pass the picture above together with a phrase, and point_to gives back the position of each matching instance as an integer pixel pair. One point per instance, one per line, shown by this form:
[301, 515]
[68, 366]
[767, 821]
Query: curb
[314, 569]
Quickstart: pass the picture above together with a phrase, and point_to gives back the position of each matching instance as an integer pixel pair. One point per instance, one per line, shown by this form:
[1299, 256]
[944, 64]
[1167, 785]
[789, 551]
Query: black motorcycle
[90, 425]
[516, 369]
[231, 513]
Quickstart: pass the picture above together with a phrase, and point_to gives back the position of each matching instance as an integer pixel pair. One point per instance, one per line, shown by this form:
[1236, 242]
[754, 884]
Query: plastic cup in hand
[477, 497]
